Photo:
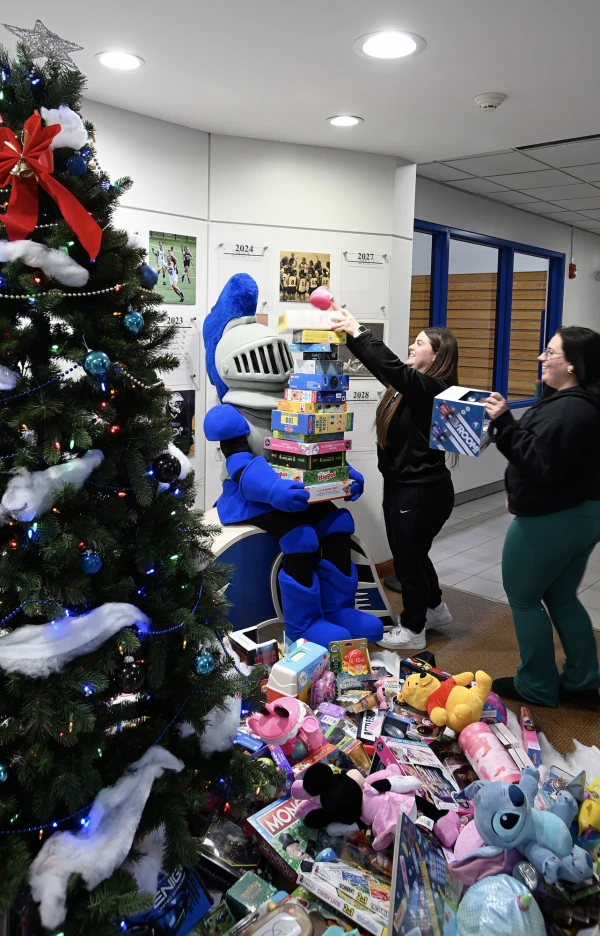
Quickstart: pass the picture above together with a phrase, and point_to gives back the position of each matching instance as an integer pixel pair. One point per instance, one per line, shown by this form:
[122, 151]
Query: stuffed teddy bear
[505, 818]
[453, 703]
[344, 802]
[290, 724]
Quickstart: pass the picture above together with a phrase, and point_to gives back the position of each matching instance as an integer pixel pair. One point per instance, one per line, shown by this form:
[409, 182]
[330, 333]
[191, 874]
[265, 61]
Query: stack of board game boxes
[307, 442]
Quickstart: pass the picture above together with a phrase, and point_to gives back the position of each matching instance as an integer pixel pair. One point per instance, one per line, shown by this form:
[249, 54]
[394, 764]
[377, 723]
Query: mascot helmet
[241, 354]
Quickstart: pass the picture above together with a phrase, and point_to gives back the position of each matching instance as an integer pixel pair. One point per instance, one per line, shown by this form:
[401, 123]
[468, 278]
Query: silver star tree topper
[43, 42]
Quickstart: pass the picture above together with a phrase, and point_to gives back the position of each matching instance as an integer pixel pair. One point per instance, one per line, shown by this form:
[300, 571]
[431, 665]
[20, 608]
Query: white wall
[442, 204]
[227, 190]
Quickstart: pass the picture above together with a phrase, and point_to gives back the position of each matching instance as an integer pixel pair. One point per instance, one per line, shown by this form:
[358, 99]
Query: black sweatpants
[414, 514]
[336, 547]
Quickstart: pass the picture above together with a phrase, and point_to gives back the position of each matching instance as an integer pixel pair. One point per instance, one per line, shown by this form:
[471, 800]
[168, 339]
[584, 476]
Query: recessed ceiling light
[344, 120]
[123, 61]
[389, 44]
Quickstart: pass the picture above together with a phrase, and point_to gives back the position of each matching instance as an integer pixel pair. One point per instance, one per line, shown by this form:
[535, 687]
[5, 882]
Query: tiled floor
[470, 558]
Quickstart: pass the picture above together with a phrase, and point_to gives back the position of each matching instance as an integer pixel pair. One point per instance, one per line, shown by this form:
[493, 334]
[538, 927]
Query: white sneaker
[438, 617]
[401, 638]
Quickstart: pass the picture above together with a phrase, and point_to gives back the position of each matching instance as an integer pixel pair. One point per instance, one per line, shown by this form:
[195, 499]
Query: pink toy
[285, 722]
[324, 689]
[494, 710]
[321, 298]
[386, 794]
[485, 753]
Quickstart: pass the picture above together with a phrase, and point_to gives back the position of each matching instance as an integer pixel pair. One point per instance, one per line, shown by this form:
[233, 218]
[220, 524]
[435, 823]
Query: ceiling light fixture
[123, 61]
[345, 120]
[389, 44]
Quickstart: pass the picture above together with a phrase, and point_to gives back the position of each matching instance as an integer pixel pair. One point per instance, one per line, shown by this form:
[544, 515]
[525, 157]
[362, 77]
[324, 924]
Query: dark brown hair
[444, 367]
[581, 348]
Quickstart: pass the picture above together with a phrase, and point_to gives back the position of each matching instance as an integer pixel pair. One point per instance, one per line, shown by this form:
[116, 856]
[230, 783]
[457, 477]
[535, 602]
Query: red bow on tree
[29, 164]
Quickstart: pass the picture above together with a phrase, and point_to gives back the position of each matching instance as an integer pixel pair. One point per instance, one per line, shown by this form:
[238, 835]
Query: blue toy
[505, 818]
[250, 366]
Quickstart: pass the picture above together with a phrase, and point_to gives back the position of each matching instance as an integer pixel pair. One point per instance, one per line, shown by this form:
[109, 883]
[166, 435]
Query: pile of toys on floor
[407, 806]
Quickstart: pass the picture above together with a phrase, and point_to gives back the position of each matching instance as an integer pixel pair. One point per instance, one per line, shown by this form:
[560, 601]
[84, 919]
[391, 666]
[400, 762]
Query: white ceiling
[560, 181]
[265, 69]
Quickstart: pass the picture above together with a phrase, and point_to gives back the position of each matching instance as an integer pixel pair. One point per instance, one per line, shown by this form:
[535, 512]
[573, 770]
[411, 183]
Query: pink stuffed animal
[386, 794]
[286, 722]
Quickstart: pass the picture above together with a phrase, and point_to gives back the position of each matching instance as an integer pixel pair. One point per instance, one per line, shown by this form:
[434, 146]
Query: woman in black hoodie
[553, 487]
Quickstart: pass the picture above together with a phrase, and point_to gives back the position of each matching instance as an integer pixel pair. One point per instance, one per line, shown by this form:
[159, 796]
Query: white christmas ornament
[186, 466]
[103, 843]
[73, 134]
[8, 378]
[36, 650]
[55, 263]
[30, 494]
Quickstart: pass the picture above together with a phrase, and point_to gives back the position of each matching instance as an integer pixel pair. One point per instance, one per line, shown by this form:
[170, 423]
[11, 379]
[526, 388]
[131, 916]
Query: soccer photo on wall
[300, 272]
[173, 256]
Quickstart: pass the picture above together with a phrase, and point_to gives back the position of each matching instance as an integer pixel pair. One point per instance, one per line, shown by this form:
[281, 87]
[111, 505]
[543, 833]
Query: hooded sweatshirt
[553, 453]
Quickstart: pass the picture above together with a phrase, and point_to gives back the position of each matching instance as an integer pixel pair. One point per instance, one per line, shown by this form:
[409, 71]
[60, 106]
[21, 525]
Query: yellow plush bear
[453, 703]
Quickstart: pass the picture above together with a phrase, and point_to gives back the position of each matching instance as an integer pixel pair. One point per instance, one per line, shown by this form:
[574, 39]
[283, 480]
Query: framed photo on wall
[173, 256]
[352, 365]
[300, 272]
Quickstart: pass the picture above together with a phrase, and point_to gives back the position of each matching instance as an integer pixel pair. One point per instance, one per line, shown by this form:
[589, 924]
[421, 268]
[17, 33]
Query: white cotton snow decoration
[30, 494]
[221, 727]
[147, 868]
[37, 650]
[55, 263]
[186, 466]
[136, 240]
[103, 843]
[582, 758]
[8, 378]
[73, 134]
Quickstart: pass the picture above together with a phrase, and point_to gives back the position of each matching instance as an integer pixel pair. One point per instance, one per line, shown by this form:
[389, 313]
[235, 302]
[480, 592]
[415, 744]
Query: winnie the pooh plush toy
[453, 703]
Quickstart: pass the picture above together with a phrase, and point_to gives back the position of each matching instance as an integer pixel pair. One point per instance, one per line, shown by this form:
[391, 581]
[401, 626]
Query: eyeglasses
[551, 353]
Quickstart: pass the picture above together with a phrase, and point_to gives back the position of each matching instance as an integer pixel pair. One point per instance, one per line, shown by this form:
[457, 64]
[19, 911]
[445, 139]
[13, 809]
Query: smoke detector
[491, 100]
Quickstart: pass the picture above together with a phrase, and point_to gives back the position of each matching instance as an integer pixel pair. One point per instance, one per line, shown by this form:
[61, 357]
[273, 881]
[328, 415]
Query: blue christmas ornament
[204, 663]
[96, 363]
[91, 563]
[3, 773]
[327, 854]
[76, 165]
[133, 321]
[147, 276]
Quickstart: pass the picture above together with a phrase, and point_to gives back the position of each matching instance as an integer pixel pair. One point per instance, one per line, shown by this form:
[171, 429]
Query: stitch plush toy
[505, 818]
[290, 724]
[454, 702]
[250, 367]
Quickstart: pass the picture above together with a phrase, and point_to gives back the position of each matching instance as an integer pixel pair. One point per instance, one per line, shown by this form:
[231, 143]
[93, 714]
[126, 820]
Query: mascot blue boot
[250, 367]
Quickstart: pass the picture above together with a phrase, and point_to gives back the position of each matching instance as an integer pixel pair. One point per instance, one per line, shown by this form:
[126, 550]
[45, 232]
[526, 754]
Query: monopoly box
[459, 423]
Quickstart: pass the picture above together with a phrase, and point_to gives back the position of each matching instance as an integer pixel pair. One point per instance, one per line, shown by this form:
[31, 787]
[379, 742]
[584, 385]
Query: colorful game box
[315, 396]
[311, 424]
[529, 738]
[308, 462]
[307, 448]
[281, 435]
[251, 649]
[293, 675]
[319, 382]
[328, 367]
[318, 336]
[295, 406]
[315, 476]
[418, 760]
[330, 490]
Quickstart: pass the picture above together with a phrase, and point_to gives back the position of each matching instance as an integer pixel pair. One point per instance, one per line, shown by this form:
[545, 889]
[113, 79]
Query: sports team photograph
[173, 256]
[300, 273]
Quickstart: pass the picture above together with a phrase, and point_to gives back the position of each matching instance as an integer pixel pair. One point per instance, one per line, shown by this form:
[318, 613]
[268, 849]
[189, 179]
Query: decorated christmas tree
[118, 698]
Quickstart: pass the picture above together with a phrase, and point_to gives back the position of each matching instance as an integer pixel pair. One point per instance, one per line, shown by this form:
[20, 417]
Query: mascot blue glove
[358, 484]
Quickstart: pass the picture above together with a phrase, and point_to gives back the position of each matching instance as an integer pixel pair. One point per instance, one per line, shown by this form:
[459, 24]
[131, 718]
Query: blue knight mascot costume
[250, 367]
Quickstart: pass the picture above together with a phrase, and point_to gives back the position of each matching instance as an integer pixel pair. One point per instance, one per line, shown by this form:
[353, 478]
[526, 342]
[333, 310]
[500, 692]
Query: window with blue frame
[502, 300]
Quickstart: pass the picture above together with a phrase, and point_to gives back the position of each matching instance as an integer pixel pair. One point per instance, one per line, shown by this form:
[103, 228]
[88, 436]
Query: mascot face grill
[250, 354]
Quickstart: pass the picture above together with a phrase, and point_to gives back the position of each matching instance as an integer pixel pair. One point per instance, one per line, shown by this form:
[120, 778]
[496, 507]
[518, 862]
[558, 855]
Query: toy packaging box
[251, 649]
[311, 423]
[361, 917]
[350, 656]
[299, 381]
[459, 423]
[307, 448]
[313, 476]
[315, 368]
[180, 903]
[318, 336]
[329, 490]
[248, 893]
[308, 462]
[418, 760]
[314, 396]
[294, 674]
[311, 439]
[296, 406]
